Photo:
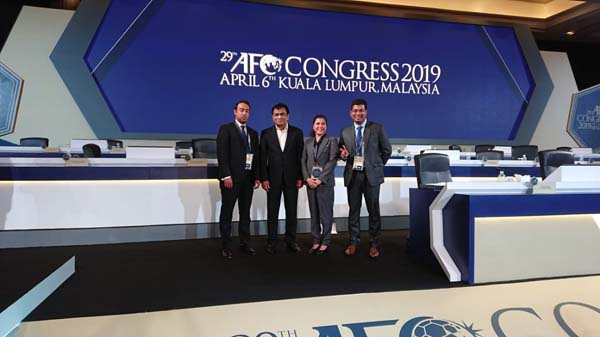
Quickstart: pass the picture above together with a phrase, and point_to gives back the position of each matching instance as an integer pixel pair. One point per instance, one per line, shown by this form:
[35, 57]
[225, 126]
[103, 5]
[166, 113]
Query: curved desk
[500, 231]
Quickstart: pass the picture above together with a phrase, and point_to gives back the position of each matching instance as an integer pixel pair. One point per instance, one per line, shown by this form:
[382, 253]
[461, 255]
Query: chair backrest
[204, 147]
[114, 143]
[490, 155]
[529, 151]
[550, 160]
[454, 147]
[184, 144]
[34, 141]
[486, 147]
[564, 148]
[432, 168]
[91, 151]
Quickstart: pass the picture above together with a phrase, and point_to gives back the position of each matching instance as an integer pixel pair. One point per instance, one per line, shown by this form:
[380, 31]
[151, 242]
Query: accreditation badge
[316, 171]
[249, 157]
[359, 162]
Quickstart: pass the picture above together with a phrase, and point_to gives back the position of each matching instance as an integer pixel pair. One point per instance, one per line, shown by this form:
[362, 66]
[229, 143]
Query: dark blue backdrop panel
[178, 66]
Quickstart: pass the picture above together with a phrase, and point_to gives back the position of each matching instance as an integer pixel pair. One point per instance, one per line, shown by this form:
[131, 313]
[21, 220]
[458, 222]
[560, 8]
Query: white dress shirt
[282, 135]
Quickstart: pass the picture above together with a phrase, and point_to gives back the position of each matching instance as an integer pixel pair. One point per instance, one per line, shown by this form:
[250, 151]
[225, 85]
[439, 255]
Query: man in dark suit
[237, 153]
[280, 155]
[366, 148]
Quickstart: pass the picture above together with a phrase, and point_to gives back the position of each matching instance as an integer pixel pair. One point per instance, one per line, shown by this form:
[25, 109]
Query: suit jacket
[279, 167]
[326, 158]
[231, 153]
[376, 151]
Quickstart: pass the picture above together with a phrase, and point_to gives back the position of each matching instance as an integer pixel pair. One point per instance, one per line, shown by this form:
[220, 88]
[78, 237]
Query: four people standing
[282, 162]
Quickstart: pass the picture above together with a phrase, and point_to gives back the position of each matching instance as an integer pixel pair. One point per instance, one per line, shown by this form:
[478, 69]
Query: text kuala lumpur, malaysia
[314, 74]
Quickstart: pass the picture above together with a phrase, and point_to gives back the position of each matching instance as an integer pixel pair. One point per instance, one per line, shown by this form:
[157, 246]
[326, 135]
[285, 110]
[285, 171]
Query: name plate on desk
[491, 163]
[51, 150]
[77, 162]
[197, 162]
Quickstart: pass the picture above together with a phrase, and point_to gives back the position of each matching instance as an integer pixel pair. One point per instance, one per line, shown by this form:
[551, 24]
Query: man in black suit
[280, 157]
[366, 149]
[237, 153]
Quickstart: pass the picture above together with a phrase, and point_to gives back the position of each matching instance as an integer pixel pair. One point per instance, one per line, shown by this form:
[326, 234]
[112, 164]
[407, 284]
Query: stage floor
[185, 288]
[537, 308]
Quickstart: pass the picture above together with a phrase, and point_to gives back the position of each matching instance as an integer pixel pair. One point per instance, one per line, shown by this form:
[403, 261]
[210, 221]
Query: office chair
[34, 141]
[204, 148]
[490, 155]
[114, 143]
[91, 151]
[550, 160]
[479, 148]
[184, 144]
[454, 147]
[564, 148]
[432, 168]
[529, 151]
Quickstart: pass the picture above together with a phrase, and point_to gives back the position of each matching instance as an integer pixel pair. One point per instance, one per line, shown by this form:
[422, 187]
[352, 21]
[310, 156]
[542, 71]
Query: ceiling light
[571, 33]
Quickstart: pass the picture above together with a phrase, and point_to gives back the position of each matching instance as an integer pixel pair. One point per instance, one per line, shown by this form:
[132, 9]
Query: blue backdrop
[178, 66]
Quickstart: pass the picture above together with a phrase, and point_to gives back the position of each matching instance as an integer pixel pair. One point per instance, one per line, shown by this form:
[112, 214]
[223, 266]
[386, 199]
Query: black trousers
[358, 187]
[242, 193]
[290, 201]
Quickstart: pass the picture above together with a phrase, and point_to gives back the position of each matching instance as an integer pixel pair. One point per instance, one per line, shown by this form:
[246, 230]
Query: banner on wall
[179, 66]
[584, 118]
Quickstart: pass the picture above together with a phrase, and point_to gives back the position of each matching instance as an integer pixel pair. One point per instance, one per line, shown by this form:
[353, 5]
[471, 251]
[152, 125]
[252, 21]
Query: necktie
[359, 140]
[248, 150]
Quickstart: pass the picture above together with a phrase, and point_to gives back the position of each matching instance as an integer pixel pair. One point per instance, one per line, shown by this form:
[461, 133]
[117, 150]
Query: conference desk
[48, 194]
[499, 231]
[43, 193]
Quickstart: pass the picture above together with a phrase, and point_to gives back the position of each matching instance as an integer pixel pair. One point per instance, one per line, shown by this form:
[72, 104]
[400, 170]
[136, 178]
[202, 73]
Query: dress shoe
[322, 251]
[270, 249]
[374, 252]
[351, 250]
[293, 246]
[248, 250]
[313, 249]
[226, 253]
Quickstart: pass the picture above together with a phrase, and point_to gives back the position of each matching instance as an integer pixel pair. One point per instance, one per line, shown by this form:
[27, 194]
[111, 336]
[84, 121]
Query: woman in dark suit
[319, 159]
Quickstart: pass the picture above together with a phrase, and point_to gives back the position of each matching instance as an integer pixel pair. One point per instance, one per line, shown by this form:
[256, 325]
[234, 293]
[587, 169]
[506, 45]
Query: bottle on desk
[501, 176]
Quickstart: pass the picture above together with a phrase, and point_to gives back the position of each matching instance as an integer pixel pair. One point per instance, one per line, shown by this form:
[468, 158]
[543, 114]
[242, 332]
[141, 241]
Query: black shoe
[293, 246]
[270, 249]
[248, 250]
[312, 251]
[322, 252]
[226, 253]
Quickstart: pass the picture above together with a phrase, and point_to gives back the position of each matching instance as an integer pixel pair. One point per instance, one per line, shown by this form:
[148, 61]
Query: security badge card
[249, 157]
[359, 162]
[315, 172]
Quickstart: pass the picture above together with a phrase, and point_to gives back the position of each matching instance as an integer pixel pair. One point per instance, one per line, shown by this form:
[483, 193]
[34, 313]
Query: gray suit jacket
[376, 150]
[326, 158]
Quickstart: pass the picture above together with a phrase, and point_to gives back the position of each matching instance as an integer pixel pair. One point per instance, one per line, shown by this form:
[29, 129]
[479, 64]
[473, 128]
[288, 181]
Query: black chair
[432, 168]
[550, 160]
[454, 147]
[114, 143]
[529, 151]
[184, 144]
[34, 141]
[91, 151]
[490, 155]
[204, 148]
[564, 148]
[479, 148]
